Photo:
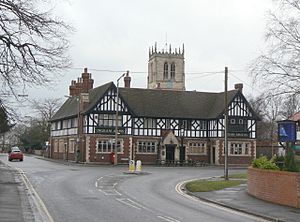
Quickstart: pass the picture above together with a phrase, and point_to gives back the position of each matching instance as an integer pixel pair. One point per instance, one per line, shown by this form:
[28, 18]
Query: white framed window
[149, 123]
[109, 120]
[108, 146]
[146, 146]
[239, 148]
[198, 148]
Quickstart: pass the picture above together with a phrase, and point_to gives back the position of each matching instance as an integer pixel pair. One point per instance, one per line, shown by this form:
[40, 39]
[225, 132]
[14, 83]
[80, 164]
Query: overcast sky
[117, 34]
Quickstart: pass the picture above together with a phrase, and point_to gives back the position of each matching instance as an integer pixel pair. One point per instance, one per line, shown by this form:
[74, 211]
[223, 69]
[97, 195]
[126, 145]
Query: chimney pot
[239, 86]
[127, 80]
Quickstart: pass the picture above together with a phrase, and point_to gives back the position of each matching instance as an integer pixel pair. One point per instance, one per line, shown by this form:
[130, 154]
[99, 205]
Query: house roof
[155, 103]
[70, 106]
[174, 104]
[295, 117]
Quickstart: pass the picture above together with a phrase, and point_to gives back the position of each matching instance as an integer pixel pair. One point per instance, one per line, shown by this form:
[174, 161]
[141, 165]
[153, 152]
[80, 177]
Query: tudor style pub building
[160, 124]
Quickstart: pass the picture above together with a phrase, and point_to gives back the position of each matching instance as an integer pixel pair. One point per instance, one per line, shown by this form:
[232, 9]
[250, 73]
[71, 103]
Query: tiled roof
[156, 103]
[70, 106]
[174, 104]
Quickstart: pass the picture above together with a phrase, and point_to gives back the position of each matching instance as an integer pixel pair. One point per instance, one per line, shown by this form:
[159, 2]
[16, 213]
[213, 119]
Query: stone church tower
[166, 69]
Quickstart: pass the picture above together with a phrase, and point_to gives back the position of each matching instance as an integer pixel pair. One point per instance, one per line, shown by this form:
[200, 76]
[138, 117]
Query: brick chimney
[127, 80]
[239, 86]
[83, 84]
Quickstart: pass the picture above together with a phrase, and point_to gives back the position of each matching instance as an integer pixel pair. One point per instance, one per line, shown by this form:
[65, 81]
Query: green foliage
[4, 122]
[237, 176]
[290, 163]
[35, 136]
[264, 163]
[206, 185]
[279, 161]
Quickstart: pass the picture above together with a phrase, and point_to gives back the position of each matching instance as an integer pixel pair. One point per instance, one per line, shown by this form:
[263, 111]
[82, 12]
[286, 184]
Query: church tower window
[173, 70]
[166, 70]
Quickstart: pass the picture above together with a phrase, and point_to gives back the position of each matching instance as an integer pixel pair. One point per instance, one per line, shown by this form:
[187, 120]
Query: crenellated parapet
[178, 52]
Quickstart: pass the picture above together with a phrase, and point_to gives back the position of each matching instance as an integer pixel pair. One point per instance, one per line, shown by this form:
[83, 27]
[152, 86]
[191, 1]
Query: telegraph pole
[226, 126]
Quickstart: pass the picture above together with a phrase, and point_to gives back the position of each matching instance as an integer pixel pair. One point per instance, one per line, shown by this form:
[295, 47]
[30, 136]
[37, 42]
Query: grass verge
[237, 176]
[207, 185]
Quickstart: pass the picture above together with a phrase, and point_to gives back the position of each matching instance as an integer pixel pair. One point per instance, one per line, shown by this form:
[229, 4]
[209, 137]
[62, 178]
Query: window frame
[109, 146]
[149, 147]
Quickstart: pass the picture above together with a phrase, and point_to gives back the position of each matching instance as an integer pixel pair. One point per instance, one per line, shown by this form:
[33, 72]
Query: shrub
[264, 163]
[279, 161]
[290, 163]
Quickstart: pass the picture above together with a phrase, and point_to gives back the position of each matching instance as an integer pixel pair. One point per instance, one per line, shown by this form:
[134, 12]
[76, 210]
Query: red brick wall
[146, 158]
[237, 159]
[106, 158]
[203, 158]
[278, 187]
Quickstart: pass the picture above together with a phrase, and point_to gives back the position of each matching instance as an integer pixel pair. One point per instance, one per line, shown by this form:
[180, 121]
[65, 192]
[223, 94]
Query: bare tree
[279, 67]
[46, 108]
[290, 105]
[33, 44]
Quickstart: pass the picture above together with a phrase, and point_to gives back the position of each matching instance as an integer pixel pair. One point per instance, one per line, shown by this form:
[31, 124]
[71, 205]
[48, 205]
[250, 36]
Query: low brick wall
[278, 187]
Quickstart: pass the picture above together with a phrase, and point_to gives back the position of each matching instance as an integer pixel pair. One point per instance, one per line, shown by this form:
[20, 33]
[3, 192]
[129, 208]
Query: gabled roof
[175, 104]
[156, 103]
[70, 106]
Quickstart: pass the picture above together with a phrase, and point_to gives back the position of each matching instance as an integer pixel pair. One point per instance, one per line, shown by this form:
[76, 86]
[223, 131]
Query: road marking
[125, 201]
[36, 198]
[179, 191]
[139, 205]
[170, 219]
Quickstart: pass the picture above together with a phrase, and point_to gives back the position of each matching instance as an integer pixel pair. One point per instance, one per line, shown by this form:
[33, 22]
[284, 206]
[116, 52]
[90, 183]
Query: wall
[279, 187]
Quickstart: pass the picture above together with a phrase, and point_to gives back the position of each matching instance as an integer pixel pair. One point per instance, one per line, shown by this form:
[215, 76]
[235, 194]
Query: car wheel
[9, 159]
[21, 159]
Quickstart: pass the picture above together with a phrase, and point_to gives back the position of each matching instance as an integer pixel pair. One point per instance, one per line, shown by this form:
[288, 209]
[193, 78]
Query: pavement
[14, 202]
[15, 206]
[238, 199]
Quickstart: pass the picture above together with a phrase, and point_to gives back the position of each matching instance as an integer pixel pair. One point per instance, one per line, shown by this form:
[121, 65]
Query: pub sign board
[286, 131]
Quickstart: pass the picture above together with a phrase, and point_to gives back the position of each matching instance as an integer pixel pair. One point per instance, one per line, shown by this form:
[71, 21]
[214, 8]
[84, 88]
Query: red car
[15, 154]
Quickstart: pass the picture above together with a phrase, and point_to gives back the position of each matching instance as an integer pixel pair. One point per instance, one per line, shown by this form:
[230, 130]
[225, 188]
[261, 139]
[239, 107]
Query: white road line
[172, 219]
[123, 200]
[36, 198]
[139, 205]
[179, 191]
[166, 218]
[110, 192]
[118, 192]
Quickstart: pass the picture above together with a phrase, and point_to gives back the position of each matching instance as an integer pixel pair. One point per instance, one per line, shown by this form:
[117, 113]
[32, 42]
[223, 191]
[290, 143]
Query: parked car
[15, 154]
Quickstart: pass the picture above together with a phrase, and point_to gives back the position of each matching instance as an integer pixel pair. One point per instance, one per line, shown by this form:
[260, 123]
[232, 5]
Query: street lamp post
[77, 155]
[181, 152]
[117, 121]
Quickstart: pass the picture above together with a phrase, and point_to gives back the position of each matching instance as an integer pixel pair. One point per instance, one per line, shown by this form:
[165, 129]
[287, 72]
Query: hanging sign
[286, 131]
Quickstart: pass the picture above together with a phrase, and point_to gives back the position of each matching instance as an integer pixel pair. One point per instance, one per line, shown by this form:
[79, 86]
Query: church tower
[166, 69]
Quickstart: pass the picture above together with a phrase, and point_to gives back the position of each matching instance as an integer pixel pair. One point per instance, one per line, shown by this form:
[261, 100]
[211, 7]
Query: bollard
[131, 166]
[138, 166]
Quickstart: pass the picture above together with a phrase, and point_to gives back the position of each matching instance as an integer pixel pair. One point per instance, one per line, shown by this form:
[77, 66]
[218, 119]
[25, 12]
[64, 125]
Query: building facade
[155, 125]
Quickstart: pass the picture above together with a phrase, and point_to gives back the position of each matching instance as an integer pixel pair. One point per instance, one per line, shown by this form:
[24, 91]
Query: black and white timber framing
[148, 112]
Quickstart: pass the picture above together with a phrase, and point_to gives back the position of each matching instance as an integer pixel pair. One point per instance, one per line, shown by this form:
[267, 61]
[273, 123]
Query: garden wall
[278, 187]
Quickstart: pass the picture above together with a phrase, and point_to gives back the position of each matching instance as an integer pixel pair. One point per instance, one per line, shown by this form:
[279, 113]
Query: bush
[264, 163]
[290, 163]
[279, 161]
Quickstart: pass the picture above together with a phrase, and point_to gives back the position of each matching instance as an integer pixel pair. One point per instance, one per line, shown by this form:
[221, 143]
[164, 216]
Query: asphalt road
[71, 193]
